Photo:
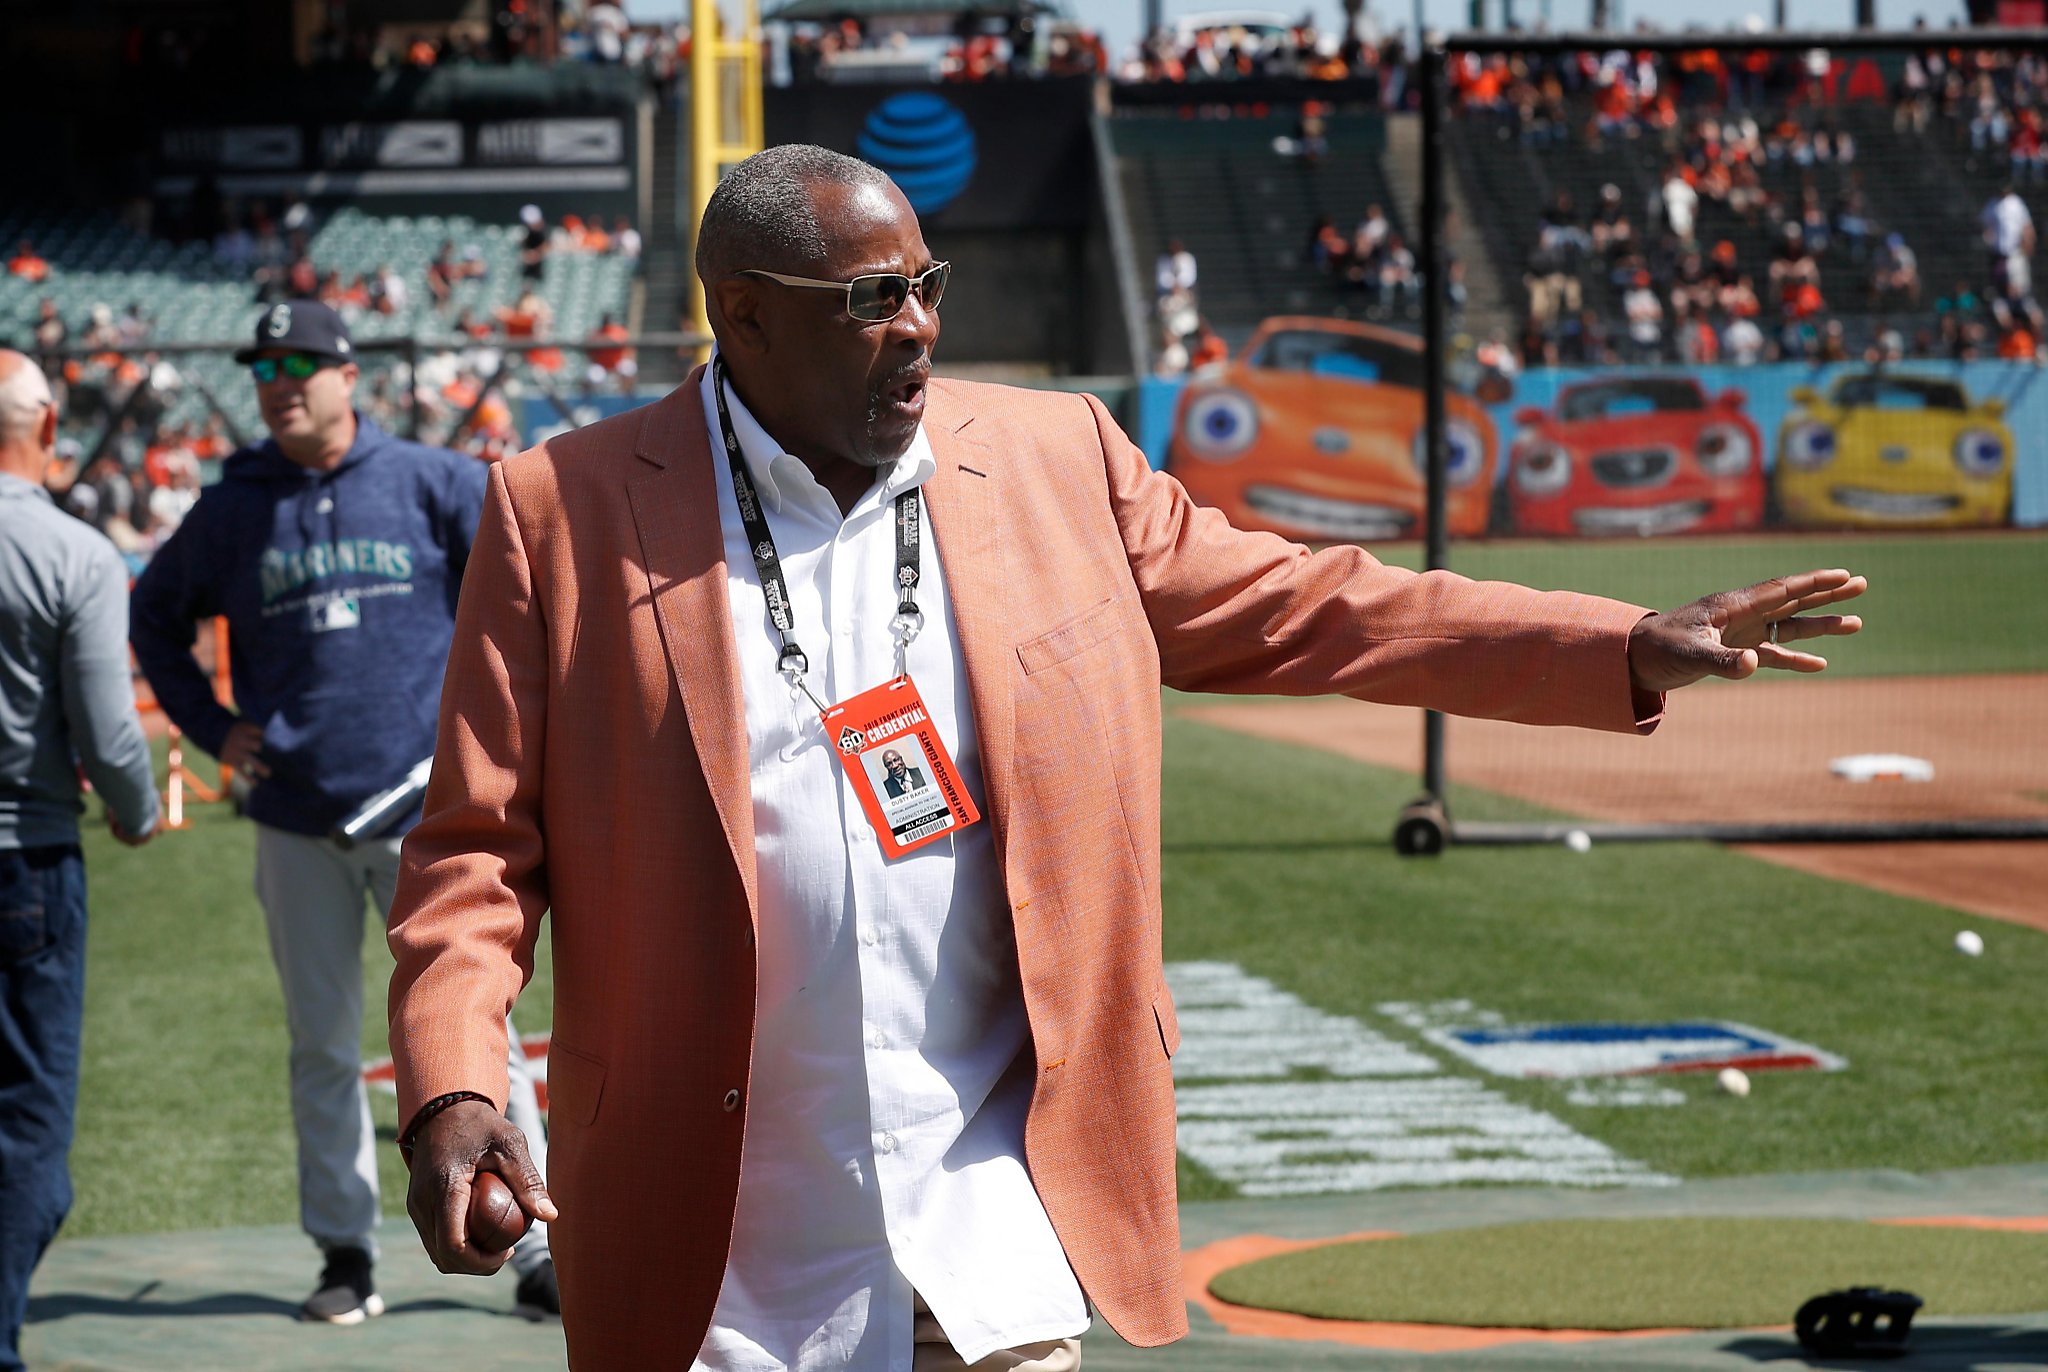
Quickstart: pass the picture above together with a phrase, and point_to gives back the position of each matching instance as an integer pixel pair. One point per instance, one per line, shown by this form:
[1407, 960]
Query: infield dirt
[1758, 751]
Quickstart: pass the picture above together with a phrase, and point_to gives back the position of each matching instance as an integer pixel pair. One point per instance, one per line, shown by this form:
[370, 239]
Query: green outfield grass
[1937, 603]
[1277, 859]
[184, 1115]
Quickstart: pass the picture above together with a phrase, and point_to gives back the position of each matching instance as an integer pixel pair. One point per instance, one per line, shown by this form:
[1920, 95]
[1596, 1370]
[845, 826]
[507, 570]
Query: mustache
[920, 371]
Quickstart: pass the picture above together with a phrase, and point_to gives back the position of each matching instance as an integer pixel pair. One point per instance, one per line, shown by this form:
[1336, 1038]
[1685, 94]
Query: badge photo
[899, 766]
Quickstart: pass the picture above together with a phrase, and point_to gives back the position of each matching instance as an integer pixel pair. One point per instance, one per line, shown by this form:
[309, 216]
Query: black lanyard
[793, 665]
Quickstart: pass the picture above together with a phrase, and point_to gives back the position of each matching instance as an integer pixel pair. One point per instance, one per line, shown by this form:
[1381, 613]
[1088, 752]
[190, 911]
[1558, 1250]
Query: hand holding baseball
[1733, 633]
[466, 1162]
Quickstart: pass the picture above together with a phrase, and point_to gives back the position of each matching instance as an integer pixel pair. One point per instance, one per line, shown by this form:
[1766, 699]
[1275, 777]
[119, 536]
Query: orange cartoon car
[1636, 455]
[1315, 431]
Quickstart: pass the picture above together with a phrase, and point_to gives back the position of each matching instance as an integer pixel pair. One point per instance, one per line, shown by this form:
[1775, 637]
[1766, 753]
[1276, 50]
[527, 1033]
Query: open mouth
[907, 393]
[1893, 504]
[1319, 516]
[1670, 518]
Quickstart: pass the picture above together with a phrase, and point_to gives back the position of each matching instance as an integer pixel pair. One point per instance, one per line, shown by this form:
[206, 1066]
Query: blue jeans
[42, 1002]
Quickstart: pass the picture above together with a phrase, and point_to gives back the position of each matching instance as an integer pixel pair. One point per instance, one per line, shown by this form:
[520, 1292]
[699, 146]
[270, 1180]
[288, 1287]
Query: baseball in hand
[496, 1221]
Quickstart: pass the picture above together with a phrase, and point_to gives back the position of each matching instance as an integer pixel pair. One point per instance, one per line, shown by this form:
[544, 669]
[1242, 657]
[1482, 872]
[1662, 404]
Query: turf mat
[1643, 1274]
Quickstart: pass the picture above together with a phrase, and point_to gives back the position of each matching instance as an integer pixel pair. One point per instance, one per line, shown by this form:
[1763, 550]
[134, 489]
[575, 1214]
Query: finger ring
[1774, 633]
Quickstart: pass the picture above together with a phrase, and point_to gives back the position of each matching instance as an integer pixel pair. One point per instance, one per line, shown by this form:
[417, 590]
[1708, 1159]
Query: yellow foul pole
[725, 114]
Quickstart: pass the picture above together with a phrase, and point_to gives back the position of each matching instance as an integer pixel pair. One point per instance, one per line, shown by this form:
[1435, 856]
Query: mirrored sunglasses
[879, 297]
[297, 366]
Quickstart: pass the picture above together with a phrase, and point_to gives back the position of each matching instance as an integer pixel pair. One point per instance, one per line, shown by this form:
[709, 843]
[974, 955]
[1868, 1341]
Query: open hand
[1732, 633]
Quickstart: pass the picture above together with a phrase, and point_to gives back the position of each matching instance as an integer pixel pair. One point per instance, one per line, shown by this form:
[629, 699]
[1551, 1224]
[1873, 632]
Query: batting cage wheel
[1421, 828]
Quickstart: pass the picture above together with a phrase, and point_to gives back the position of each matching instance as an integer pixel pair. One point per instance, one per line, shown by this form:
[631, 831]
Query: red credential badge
[907, 782]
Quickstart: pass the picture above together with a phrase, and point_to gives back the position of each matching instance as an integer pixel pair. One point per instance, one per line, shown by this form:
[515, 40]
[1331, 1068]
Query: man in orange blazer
[815, 1106]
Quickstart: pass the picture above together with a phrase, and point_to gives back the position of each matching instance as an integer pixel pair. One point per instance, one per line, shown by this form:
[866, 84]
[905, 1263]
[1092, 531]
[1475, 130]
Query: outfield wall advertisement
[1315, 431]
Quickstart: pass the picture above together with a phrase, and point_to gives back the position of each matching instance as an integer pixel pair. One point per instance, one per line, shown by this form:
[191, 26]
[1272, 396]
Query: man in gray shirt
[66, 699]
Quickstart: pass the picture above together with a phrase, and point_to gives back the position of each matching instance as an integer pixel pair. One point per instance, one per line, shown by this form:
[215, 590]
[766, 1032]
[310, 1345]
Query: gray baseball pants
[312, 893]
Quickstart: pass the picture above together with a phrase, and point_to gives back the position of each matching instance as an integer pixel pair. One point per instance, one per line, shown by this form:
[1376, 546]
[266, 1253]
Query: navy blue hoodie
[339, 590]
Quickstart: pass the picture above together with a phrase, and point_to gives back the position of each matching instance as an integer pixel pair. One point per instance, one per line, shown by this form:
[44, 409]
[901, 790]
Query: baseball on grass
[1969, 943]
[1579, 841]
[1734, 1081]
[496, 1221]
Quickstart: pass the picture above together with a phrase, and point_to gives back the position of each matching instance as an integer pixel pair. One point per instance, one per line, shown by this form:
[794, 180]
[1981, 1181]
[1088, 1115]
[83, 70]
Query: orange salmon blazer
[592, 765]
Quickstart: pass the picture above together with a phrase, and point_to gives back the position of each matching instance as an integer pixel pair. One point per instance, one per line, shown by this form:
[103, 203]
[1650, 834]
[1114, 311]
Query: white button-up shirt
[885, 1122]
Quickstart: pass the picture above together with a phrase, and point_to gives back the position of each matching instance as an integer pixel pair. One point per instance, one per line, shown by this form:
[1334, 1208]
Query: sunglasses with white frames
[878, 297]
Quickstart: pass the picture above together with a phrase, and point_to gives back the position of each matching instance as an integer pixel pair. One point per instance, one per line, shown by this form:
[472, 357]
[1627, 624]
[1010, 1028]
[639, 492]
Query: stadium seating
[191, 298]
[1245, 209]
[1930, 187]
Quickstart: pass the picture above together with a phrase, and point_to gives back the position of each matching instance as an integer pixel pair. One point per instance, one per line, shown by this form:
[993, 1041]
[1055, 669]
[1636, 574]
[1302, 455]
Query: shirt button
[875, 1040]
[870, 937]
[886, 1144]
[732, 1099]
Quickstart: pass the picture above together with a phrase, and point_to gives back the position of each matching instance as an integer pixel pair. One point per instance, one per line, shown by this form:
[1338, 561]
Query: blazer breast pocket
[1084, 631]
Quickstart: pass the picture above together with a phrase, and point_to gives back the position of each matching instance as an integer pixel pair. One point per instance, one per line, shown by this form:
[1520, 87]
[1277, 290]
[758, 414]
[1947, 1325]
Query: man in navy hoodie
[335, 551]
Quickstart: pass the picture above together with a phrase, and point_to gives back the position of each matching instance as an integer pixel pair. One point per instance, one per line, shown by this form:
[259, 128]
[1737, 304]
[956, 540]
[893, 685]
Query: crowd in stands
[517, 31]
[133, 455]
[1373, 259]
[1728, 125]
[1029, 47]
[1187, 341]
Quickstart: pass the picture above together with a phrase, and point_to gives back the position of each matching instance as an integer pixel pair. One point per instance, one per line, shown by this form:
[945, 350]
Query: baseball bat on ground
[381, 811]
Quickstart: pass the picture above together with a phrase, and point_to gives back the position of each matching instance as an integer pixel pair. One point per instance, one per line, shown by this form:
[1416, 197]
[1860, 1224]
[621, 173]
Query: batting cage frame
[1425, 826]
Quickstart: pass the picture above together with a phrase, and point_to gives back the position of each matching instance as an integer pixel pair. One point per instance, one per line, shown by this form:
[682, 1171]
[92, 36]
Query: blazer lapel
[967, 515]
[675, 508]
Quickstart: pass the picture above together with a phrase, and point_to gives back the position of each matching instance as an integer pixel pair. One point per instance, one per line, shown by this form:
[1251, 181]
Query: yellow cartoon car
[1885, 451]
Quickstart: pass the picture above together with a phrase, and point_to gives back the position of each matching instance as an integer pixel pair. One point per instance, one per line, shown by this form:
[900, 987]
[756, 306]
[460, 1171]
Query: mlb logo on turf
[1554, 1051]
[1619, 1050]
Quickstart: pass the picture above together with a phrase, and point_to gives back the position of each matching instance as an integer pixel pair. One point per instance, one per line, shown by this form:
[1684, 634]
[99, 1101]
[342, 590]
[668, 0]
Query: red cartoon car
[1636, 455]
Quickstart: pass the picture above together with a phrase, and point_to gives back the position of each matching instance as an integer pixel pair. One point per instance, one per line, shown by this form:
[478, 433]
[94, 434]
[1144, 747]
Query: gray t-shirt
[66, 693]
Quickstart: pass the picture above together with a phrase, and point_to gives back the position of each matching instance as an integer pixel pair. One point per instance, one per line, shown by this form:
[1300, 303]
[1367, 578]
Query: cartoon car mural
[1636, 455]
[1888, 451]
[1315, 431]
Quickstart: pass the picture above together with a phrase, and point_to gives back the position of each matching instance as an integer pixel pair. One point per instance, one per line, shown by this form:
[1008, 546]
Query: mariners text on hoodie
[339, 590]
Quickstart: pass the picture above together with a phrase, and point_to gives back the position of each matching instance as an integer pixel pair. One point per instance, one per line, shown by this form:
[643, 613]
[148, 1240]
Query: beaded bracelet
[431, 1109]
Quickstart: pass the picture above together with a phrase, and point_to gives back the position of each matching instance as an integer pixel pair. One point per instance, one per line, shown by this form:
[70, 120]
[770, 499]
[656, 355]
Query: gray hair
[761, 214]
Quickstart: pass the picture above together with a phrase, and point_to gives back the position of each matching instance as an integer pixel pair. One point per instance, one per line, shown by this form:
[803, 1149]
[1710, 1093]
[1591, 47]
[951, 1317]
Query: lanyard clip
[793, 665]
[905, 625]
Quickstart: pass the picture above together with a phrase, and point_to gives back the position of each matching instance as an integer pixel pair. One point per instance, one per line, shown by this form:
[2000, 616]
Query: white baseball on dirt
[1970, 943]
[1734, 1081]
[1579, 841]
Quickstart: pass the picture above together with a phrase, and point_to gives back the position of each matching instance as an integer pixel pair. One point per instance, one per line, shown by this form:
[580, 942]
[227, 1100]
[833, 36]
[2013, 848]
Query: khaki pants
[934, 1352]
